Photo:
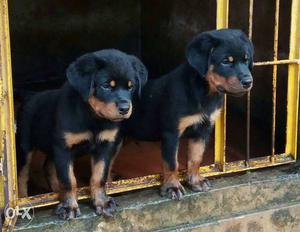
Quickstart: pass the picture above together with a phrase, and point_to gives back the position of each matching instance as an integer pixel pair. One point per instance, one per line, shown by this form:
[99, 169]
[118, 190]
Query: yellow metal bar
[248, 105]
[155, 180]
[250, 19]
[289, 61]
[274, 81]
[220, 128]
[6, 108]
[293, 82]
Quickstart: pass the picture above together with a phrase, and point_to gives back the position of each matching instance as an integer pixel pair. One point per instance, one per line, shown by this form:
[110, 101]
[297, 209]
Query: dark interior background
[47, 35]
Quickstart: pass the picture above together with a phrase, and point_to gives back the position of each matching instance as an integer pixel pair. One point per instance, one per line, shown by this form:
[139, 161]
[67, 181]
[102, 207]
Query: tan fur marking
[129, 84]
[23, 177]
[107, 110]
[214, 79]
[97, 174]
[112, 83]
[190, 120]
[214, 116]
[230, 59]
[230, 84]
[109, 179]
[195, 155]
[72, 139]
[52, 176]
[70, 195]
[107, 135]
[72, 177]
[170, 178]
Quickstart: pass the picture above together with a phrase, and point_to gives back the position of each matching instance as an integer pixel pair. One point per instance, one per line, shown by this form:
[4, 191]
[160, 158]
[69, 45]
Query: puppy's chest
[196, 119]
[75, 138]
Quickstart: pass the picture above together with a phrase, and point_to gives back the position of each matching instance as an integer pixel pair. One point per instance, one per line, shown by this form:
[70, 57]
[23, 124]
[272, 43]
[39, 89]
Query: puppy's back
[35, 123]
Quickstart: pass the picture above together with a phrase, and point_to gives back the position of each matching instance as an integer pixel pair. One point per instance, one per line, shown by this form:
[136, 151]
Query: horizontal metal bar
[274, 62]
[155, 180]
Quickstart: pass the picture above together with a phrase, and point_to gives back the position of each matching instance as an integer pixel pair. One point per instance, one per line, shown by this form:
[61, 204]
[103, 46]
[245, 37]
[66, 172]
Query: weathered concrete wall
[281, 219]
[231, 196]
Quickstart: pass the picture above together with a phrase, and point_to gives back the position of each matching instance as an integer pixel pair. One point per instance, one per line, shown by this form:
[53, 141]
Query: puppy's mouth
[102, 116]
[221, 89]
[113, 119]
[107, 111]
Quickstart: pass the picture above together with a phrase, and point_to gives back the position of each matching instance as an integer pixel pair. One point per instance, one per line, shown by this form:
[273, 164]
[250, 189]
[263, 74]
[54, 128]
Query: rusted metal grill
[8, 175]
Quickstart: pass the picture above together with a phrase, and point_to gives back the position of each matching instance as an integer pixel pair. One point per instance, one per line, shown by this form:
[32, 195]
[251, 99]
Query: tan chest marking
[107, 135]
[214, 116]
[72, 139]
[190, 120]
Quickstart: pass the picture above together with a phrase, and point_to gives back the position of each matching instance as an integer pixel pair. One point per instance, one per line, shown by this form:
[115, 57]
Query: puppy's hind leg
[24, 161]
[171, 187]
[51, 175]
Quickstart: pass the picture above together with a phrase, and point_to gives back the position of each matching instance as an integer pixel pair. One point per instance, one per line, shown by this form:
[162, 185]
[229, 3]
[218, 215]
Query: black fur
[186, 91]
[45, 118]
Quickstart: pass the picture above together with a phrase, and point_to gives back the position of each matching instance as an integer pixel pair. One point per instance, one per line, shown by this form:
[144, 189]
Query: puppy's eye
[112, 84]
[228, 61]
[109, 85]
[106, 86]
[246, 58]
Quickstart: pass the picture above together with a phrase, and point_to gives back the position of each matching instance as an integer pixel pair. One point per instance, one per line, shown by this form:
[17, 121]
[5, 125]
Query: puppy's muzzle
[123, 107]
[247, 83]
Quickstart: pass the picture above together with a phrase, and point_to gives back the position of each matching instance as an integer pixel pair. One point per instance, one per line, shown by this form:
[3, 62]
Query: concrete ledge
[146, 210]
[283, 218]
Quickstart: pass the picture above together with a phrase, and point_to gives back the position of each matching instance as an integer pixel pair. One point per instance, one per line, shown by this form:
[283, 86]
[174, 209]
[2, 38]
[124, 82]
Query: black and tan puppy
[83, 117]
[185, 102]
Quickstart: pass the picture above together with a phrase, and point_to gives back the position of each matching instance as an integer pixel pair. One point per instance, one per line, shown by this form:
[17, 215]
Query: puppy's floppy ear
[198, 51]
[141, 73]
[80, 73]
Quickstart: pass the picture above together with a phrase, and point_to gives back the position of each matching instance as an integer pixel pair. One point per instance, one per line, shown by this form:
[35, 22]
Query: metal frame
[7, 145]
[7, 135]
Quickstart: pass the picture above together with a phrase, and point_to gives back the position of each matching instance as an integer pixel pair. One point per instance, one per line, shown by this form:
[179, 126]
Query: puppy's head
[224, 58]
[107, 80]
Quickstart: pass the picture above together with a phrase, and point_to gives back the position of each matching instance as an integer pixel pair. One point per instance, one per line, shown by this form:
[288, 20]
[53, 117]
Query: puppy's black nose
[123, 107]
[246, 84]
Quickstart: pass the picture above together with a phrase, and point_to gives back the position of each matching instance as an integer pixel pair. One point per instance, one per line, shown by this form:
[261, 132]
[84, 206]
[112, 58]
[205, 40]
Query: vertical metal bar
[293, 82]
[220, 128]
[250, 23]
[6, 111]
[274, 82]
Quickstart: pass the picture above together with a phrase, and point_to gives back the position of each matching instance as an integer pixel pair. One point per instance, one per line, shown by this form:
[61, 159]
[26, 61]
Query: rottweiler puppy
[83, 117]
[185, 102]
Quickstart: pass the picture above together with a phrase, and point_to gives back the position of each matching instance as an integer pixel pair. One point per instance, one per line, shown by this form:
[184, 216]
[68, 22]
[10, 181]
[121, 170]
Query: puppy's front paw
[105, 205]
[68, 209]
[174, 191]
[198, 183]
